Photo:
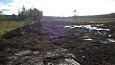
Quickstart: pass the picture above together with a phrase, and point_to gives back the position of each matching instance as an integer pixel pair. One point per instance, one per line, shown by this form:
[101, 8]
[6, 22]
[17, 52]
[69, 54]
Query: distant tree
[30, 16]
[34, 15]
[13, 17]
[23, 8]
[75, 16]
[22, 14]
[1, 17]
[1, 13]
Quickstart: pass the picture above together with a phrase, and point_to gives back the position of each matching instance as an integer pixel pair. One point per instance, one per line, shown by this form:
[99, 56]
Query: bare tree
[75, 15]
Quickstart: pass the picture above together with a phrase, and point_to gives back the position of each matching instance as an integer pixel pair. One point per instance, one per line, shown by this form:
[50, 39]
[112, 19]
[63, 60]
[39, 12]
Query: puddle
[109, 35]
[67, 26]
[90, 27]
[88, 39]
[99, 25]
[111, 40]
[102, 32]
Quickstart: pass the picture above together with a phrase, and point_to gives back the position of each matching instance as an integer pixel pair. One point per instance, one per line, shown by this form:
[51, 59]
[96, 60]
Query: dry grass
[6, 26]
[97, 20]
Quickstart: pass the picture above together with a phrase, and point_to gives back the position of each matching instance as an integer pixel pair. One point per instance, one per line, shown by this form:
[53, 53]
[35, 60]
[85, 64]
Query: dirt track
[29, 46]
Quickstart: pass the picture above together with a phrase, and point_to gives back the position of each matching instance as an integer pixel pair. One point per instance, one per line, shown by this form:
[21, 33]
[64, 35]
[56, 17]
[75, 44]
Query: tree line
[31, 15]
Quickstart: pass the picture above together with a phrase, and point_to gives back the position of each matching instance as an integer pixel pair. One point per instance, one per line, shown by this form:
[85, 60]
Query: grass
[6, 26]
[97, 20]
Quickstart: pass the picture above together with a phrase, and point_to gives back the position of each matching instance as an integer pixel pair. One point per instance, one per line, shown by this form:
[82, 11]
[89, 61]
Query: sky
[60, 7]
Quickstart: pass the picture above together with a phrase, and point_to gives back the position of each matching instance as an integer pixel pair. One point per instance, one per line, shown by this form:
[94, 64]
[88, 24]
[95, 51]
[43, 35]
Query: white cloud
[63, 7]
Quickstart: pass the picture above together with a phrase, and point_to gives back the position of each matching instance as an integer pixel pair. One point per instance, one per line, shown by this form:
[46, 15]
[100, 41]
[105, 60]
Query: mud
[32, 45]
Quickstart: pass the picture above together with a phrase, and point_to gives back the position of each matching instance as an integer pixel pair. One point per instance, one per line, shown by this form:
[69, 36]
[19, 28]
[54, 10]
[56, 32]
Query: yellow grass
[6, 26]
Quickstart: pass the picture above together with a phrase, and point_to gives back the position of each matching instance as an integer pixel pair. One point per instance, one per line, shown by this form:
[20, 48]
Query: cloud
[5, 9]
[62, 7]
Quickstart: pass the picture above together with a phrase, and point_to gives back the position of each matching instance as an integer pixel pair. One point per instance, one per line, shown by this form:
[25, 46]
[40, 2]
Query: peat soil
[31, 45]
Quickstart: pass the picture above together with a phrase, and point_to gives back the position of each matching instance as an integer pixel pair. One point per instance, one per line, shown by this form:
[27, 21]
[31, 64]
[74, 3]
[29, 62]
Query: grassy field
[6, 26]
[97, 20]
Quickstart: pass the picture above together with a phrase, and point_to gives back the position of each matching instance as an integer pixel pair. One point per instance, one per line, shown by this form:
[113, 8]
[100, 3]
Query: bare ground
[31, 45]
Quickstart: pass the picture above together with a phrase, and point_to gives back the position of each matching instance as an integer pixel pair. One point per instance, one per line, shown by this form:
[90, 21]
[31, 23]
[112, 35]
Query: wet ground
[59, 42]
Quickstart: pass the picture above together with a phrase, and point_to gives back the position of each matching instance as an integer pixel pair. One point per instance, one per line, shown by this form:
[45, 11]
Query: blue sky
[5, 1]
[60, 7]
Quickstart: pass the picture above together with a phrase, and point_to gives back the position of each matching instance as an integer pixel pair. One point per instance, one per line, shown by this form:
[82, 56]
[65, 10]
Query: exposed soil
[32, 45]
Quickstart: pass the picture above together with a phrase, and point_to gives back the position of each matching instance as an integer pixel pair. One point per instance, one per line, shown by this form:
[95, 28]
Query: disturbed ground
[59, 42]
